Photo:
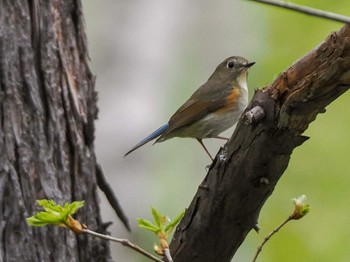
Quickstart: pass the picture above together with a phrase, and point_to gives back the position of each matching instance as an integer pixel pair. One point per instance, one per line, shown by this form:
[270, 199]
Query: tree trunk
[47, 109]
[245, 172]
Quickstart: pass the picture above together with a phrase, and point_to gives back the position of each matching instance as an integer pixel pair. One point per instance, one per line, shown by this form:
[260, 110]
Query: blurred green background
[149, 57]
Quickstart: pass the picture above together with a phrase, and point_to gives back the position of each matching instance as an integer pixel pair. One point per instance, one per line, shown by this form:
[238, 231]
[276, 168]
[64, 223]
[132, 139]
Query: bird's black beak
[249, 64]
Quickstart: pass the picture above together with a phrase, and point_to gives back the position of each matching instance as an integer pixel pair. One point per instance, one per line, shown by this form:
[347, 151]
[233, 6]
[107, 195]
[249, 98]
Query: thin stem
[269, 236]
[307, 10]
[124, 242]
[168, 255]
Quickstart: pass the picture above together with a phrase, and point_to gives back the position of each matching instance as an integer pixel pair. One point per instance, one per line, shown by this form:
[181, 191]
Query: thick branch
[245, 172]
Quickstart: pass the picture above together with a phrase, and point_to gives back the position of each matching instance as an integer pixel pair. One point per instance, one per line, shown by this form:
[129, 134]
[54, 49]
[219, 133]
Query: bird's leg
[221, 137]
[206, 150]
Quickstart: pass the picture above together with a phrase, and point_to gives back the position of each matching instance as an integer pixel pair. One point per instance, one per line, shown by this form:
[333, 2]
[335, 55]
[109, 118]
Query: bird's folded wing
[191, 112]
[210, 97]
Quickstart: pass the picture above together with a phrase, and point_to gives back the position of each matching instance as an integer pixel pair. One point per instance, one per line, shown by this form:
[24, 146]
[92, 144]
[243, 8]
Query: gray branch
[307, 10]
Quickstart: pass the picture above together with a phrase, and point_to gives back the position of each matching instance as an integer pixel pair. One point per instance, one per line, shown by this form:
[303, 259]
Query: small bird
[213, 107]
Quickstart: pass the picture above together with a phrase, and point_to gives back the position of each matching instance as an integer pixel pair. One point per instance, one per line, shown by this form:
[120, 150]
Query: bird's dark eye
[230, 64]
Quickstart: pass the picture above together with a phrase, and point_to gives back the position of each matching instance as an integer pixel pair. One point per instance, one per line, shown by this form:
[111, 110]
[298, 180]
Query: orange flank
[231, 101]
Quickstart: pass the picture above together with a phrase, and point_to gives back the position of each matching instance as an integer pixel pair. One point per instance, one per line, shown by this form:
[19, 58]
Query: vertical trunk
[47, 109]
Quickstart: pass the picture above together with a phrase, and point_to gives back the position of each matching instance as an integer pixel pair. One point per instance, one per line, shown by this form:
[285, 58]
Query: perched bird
[214, 107]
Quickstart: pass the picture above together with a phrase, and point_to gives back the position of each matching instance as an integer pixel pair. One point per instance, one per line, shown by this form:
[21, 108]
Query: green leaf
[146, 224]
[172, 225]
[157, 217]
[54, 214]
[305, 209]
[37, 221]
[160, 227]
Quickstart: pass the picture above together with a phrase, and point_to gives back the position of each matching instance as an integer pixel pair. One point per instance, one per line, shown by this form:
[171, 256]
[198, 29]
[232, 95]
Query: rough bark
[47, 109]
[245, 172]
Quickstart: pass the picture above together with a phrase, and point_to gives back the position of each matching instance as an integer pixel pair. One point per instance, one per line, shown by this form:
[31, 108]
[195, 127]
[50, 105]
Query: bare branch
[124, 242]
[168, 255]
[267, 238]
[307, 10]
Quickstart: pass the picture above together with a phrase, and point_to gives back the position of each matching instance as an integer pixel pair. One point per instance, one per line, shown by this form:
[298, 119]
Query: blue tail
[152, 136]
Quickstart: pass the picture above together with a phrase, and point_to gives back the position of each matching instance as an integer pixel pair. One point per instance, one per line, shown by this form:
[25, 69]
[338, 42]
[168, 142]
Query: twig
[124, 242]
[270, 235]
[168, 255]
[307, 10]
[112, 199]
